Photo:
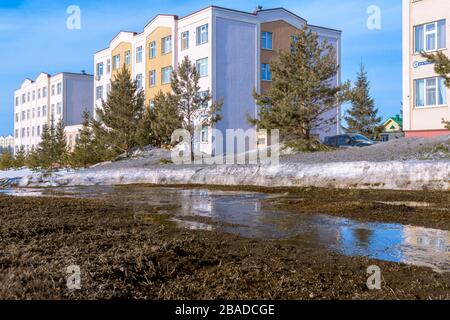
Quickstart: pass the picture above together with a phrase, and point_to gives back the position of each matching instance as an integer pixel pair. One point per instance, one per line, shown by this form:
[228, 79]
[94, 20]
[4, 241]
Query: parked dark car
[348, 140]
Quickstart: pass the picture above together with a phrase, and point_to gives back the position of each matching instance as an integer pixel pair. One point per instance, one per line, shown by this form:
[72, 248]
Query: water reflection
[245, 214]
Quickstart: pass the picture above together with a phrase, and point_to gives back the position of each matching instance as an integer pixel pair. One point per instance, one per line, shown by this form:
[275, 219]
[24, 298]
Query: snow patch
[408, 175]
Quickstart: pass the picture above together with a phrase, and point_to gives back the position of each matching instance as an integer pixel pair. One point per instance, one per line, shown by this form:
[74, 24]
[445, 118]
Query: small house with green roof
[392, 129]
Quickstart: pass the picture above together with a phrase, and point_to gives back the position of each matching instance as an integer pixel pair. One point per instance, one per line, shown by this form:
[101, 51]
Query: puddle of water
[243, 213]
[413, 204]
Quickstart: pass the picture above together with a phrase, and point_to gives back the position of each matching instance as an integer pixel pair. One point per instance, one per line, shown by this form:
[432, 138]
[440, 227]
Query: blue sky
[34, 38]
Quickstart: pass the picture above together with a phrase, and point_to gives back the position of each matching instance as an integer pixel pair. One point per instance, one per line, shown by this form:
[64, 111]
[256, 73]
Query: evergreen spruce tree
[19, 158]
[194, 107]
[60, 144]
[144, 132]
[103, 148]
[83, 154]
[166, 119]
[33, 160]
[121, 113]
[46, 148]
[302, 95]
[363, 116]
[442, 68]
[6, 160]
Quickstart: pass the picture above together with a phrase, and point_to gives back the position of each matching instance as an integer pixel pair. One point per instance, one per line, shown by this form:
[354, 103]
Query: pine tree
[194, 107]
[45, 150]
[60, 144]
[19, 158]
[121, 113]
[144, 131]
[302, 93]
[83, 154]
[33, 160]
[363, 116]
[6, 160]
[103, 148]
[442, 68]
[166, 119]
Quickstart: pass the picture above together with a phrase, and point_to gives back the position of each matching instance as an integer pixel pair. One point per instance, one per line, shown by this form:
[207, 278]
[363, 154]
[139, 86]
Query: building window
[28, 97]
[59, 108]
[17, 117]
[266, 40]
[23, 132]
[266, 75]
[38, 129]
[152, 78]
[139, 81]
[430, 37]
[53, 90]
[166, 75]
[185, 40]
[44, 111]
[167, 45]
[100, 69]
[139, 54]
[39, 112]
[99, 93]
[59, 88]
[108, 66]
[44, 92]
[152, 104]
[152, 51]
[202, 34]
[17, 101]
[23, 115]
[33, 113]
[116, 62]
[23, 98]
[127, 58]
[17, 133]
[28, 114]
[32, 131]
[202, 67]
[53, 110]
[34, 95]
[28, 131]
[430, 92]
[204, 134]
[39, 93]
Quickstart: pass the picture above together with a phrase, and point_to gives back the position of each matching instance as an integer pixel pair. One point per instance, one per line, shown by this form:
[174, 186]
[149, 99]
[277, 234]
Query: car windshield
[359, 137]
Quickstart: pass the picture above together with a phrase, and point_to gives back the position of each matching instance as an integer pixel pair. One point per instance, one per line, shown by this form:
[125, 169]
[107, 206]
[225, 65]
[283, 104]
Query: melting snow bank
[411, 175]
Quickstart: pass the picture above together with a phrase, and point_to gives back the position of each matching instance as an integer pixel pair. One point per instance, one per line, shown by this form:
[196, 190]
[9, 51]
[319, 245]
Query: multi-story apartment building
[425, 96]
[63, 96]
[7, 144]
[231, 49]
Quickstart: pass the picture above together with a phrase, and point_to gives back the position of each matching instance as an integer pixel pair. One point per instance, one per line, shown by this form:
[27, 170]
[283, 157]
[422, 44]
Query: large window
[166, 44]
[152, 50]
[266, 40]
[202, 67]
[266, 75]
[108, 66]
[17, 101]
[127, 58]
[166, 74]
[44, 92]
[59, 108]
[44, 111]
[59, 88]
[430, 92]
[99, 93]
[152, 78]
[430, 37]
[185, 40]
[139, 54]
[100, 69]
[202, 34]
[139, 81]
[116, 62]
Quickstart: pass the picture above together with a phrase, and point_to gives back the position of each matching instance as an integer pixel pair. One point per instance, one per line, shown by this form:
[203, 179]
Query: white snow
[11, 174]
[408, 175]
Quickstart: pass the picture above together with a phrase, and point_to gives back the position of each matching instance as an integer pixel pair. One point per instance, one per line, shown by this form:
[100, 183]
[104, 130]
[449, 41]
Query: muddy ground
[123, 254]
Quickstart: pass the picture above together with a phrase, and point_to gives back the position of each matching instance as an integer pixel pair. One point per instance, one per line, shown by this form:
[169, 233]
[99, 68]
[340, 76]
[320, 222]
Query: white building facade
[63, 96]
[426, 28]
[7, 144]
[231, 49]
